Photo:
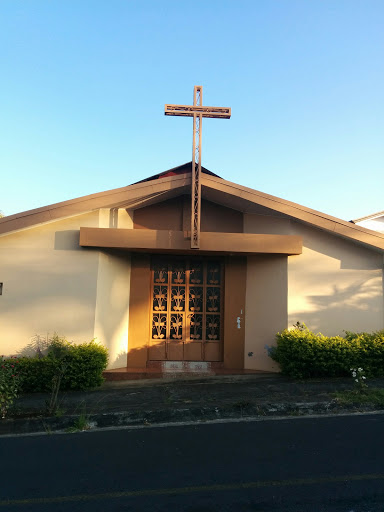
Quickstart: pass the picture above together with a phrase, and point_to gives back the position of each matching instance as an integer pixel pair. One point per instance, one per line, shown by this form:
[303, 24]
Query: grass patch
[82, 421]
[80, 424]
[242, 404]
[373, 396]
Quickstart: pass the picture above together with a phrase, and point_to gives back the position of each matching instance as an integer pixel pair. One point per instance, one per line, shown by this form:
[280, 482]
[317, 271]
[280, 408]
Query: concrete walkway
[144, 402]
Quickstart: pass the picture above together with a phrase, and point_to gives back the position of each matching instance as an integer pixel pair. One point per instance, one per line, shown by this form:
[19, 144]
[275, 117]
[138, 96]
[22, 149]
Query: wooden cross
[197, 111]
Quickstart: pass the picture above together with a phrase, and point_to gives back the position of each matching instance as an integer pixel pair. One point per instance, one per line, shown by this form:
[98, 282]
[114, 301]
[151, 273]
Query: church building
[118, 266]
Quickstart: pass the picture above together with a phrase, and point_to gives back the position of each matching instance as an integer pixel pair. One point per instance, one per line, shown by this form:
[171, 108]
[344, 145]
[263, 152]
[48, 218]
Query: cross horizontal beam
[191, 110]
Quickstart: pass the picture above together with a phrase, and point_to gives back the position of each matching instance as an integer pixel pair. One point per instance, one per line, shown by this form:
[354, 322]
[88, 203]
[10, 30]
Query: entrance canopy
[151, 240]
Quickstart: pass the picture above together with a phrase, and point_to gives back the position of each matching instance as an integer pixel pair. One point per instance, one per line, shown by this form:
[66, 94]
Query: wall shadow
[38, 346]
[68, 240]
[355, 308]
[120, 360]
[350, 254]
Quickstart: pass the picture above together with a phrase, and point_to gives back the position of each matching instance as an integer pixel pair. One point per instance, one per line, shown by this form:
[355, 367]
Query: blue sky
[84, 83]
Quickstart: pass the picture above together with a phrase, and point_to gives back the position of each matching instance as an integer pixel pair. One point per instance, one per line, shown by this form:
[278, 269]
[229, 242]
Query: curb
[48, 425]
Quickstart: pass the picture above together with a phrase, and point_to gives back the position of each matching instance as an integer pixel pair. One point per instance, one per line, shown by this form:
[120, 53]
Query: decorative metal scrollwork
[161, 274]
[159, 327]
[177, 327]
[196, 327]
[186, 301]
[160, 294]
[178, 275]
[213, 327]
[196, 299]
[213, 300]
[213, 274]
[196, 275]
[178, 298]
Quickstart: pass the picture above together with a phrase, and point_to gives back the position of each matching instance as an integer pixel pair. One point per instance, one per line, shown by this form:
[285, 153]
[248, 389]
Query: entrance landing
[176, 369]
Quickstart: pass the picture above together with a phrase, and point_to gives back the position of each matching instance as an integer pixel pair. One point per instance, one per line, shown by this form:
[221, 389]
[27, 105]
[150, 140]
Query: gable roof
[369, 217]
[163, 186]
[175, 171]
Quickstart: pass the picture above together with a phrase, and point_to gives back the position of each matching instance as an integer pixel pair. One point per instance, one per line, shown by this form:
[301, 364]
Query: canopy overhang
[149, 240]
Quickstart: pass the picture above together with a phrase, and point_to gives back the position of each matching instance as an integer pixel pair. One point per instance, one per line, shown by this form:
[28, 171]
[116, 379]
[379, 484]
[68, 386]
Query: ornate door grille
[187, 304]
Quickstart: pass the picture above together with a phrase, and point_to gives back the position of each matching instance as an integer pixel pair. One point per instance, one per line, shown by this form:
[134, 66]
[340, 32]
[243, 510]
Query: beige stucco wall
[113, 291]
[51, 284]
[334, 285]
[265, 308]
[112, 306]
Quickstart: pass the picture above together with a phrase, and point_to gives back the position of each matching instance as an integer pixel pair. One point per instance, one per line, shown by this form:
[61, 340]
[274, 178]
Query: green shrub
[9, 383]
[86, 363]
[302, 353]
[37, 373]
[83, 365]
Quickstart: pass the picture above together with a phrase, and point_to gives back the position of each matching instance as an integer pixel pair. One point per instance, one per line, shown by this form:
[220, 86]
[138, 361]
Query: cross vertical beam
[196, 169]
[197, 111]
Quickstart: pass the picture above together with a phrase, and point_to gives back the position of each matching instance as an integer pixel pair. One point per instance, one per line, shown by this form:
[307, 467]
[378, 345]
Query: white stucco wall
[334, 285]
[51, 284]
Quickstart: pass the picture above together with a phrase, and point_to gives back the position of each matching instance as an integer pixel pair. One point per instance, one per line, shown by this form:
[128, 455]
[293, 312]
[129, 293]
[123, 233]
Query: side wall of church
[51, 284]
[334, 285]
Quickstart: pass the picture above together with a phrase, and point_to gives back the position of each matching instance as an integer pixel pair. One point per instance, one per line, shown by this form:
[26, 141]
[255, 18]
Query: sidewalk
[145, 402]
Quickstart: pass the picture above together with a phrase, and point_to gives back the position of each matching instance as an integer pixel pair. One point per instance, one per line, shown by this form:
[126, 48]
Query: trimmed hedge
[302, 353]
[83, 365]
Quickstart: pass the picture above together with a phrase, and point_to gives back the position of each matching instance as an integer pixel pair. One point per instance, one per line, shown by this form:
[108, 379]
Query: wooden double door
[186, 312]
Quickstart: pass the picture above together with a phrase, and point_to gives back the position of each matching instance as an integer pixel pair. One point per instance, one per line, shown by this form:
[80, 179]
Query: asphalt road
[305, 464]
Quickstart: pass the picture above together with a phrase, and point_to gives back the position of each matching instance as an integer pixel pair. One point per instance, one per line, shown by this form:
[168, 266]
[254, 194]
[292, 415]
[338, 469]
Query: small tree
[58, 350]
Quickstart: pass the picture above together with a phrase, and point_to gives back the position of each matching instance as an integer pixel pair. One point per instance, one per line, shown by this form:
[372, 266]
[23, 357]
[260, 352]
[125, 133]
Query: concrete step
[200, 367]
[173, 369]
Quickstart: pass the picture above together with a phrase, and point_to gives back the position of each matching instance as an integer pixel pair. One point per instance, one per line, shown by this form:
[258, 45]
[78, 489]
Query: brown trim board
[176, 241]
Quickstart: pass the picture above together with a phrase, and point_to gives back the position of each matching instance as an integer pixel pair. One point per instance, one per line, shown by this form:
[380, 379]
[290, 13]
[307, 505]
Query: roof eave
[128, 197]
[149, 192]
[370, 217]
[313, 217]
